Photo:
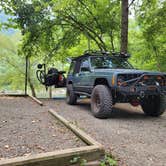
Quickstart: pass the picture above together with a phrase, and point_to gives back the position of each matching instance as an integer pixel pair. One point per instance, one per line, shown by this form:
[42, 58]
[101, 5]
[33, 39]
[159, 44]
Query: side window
[72, 66]
[84, 65]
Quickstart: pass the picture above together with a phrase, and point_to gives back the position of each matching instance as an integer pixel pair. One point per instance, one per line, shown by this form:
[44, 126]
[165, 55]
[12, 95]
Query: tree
[151, 19]
[51, 25]
[124, 26]
[54, 28]
[13, 66]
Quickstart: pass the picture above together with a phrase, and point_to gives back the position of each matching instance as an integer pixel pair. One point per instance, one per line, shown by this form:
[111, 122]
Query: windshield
[110, 63]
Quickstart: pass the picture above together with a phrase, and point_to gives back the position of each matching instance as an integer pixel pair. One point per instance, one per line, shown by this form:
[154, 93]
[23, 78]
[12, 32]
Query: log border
[35, 99]
[22, 95]
[92, 151]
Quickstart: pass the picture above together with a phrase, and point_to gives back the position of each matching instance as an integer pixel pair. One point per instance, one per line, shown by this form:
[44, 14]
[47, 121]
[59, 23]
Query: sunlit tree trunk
[124, 26]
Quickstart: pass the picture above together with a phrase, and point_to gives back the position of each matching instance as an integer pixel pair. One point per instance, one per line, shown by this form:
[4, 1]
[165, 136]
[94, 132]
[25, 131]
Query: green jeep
[109, 79]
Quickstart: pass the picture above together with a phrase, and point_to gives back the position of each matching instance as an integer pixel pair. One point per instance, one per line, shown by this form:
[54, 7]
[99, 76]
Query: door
[82, 82]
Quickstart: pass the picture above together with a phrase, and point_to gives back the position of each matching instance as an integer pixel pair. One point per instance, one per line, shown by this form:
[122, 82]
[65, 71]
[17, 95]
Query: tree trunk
[32, 87]
[124, 26]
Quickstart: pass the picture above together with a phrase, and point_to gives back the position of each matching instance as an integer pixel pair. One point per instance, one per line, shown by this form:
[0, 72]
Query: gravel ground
[133, 138]
[27, 128]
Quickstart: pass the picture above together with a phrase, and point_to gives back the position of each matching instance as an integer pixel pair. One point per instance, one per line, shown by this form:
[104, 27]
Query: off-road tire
[154, 105]
[71, 97]
[101, 102]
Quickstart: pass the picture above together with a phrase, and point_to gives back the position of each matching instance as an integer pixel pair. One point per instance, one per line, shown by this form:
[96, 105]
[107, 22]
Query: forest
[49, 31]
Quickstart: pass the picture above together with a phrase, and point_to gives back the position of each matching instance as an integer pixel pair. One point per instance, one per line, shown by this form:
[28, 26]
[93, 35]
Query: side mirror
[39, 66]
[85, 69]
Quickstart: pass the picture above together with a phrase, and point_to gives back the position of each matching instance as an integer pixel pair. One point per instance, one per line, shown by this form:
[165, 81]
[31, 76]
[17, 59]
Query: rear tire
[101, 102]
[154, 105]
[71, 96]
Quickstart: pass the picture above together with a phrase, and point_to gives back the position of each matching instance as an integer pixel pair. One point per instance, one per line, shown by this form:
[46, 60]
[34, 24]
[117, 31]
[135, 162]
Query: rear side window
[72, 66]
[85, 63]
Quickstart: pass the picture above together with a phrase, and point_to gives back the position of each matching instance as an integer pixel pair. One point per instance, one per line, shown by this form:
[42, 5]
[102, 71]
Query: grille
[159, 80]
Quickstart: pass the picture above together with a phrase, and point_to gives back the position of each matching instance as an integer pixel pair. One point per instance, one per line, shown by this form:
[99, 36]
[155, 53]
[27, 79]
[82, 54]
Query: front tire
[154, 105]
[101, 101]
[71, 97]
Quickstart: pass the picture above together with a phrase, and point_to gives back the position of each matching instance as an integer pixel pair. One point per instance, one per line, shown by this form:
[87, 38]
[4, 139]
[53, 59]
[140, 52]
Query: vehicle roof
[89, 55]
[100, 53]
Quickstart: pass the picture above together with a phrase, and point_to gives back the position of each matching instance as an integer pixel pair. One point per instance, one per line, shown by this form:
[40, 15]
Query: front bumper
[141, 90]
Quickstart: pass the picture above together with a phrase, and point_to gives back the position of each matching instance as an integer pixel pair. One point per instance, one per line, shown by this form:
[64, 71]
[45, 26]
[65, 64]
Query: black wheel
[71, 97]
[154, 105]
[101, 101]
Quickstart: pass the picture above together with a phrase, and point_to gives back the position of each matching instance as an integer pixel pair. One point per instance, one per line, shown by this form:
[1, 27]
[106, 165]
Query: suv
[109, 79]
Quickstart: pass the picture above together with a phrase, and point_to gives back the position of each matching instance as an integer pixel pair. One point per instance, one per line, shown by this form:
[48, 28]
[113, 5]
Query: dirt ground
[133, 138]
[27, 128]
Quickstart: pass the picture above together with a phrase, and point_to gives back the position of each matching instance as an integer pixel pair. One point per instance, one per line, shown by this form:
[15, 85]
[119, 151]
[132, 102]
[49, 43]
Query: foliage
[108, 161]
[150, 33]
[54, 29]
[49, 26]
[78, 160]
[12, 66]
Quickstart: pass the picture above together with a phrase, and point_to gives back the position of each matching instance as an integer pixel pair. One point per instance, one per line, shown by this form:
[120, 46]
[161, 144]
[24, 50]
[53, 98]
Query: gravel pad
[132, 137]
[27, 128]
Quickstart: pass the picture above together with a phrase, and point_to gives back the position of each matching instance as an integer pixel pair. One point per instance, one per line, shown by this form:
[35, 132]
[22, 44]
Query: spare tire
[52, 77]
[52, 71]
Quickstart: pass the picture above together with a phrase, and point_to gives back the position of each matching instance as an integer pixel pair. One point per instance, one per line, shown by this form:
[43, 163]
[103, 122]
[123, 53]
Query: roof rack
[93, 52]
[121, 54]
[101, 53]
[115, 54]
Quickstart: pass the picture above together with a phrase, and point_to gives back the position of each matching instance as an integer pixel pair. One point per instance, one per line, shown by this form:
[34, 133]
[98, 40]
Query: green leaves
[55, 24]
[55, 29]
[147, 40]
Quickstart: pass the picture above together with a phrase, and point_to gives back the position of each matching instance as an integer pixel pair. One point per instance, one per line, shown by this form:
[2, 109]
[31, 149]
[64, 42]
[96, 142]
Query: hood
[127, 71]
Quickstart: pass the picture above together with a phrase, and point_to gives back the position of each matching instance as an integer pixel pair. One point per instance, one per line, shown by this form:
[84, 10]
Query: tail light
[60, 77]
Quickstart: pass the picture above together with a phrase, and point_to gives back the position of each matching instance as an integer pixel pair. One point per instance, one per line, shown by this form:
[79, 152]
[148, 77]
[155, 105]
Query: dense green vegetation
[53, 30]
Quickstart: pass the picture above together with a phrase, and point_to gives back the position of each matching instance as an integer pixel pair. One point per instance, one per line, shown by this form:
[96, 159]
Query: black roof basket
[121, 55]
[104, 53]
[93, 52]
[115, 54]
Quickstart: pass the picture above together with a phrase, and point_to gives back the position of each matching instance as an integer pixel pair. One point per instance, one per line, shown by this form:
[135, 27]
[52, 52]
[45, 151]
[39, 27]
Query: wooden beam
[81, 134]
[36, 100]
[13, 95]
[56, 158]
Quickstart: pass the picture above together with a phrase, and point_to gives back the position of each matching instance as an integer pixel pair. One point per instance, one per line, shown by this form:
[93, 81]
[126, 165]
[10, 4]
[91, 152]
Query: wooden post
[50, 92]
[26, 74]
